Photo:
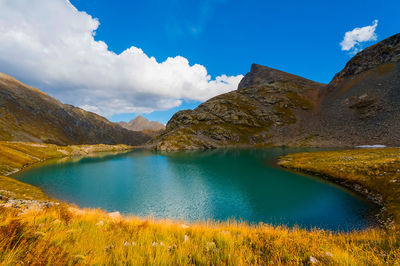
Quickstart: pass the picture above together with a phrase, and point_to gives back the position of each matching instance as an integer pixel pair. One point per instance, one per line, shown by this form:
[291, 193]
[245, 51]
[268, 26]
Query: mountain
[142, 124]
[28, 114]
[361, 104]
[266, 101]
[272, 108]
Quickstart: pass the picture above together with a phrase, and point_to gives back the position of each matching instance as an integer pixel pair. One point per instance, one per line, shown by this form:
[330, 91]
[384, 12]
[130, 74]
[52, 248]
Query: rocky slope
[362, 103]
[270, 108]
[142, 124]
[27, 114]
[266, 101]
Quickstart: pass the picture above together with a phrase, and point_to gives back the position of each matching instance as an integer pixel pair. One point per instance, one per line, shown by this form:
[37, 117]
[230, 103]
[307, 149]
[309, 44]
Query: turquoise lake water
[220, 184]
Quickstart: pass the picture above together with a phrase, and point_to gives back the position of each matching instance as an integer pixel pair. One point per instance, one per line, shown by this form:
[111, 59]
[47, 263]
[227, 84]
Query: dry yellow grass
[64, 234]
[11, 188]
[16, 155]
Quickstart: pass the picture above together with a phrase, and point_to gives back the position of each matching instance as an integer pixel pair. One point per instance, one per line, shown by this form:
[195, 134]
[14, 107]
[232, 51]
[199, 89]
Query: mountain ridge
[141, 124]
[28, 114]
[273, 108]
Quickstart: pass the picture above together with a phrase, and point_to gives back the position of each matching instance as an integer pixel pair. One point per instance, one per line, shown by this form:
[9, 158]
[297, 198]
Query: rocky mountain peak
[139, 119]
[140, 124]
[384, 52]
[273, 108]
[260, 76]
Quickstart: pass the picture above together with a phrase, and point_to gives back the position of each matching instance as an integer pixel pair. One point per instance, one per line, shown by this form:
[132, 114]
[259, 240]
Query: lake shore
[62, 233]
[373, 173]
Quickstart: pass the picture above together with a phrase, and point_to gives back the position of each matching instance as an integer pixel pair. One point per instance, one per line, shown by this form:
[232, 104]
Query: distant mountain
[142, 124]
[360, 106]
[28, 114]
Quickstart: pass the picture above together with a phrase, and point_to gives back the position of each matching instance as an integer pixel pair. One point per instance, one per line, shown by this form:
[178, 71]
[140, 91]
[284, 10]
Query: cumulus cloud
[353, 38]
[50, 44]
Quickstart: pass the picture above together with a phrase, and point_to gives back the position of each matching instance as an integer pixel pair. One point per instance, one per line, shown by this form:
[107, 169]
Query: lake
[241, 184]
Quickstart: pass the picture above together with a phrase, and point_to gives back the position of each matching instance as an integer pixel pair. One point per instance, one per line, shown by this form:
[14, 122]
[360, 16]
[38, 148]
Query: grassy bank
[64, 235]
[14, 156]
[374, 173]
[17, 155]
[57, 233]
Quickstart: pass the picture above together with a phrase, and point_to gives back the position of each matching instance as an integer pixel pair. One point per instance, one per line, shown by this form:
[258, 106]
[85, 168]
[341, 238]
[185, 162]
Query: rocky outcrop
[267, 100]
[384, 52]
[361, 105]
[142, 124]
[27, 114]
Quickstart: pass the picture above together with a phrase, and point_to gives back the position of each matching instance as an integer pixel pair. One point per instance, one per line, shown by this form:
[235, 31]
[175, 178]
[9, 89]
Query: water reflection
[201, 185]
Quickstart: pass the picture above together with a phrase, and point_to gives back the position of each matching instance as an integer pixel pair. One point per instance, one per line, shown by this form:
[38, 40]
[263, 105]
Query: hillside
[267, 99]
[273, 108]
[142, 124]
[361, 104]
[28, 114]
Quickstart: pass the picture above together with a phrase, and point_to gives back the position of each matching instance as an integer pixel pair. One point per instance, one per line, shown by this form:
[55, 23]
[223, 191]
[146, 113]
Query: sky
[156, 57]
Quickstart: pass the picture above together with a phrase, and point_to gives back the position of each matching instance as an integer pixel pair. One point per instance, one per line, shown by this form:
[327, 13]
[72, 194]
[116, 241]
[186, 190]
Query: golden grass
[11, 188]
[64, 234]
[16, 155]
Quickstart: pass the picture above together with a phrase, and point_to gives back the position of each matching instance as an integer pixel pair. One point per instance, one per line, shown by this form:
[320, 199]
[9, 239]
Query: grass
[64, 234]
[372, 172]
[299, 101]
[17, 155]
[11, 188]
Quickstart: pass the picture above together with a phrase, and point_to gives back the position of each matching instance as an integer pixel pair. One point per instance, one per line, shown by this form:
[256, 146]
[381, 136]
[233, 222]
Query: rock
[313, 260]
[185, 238]
[100, 223]
[328, 254]
[115, 215]
[271, 107]
[109, 248]
[172, 248]
[151, 128]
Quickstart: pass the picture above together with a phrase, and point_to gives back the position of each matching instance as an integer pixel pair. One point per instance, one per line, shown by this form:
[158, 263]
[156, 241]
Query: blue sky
[300, 37]
[224, 36]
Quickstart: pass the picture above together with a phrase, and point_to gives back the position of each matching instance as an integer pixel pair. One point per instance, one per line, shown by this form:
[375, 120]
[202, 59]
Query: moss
[285, 114]
[385, 68]
[298, 101]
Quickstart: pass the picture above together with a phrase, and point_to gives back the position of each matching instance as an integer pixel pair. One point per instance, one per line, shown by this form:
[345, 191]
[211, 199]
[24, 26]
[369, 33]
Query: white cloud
[353, 38]
[50, 44]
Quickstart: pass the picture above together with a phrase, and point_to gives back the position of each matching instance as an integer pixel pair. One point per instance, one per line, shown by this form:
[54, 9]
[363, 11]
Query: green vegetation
[299, 101]
[287, 116]
[59, 233]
